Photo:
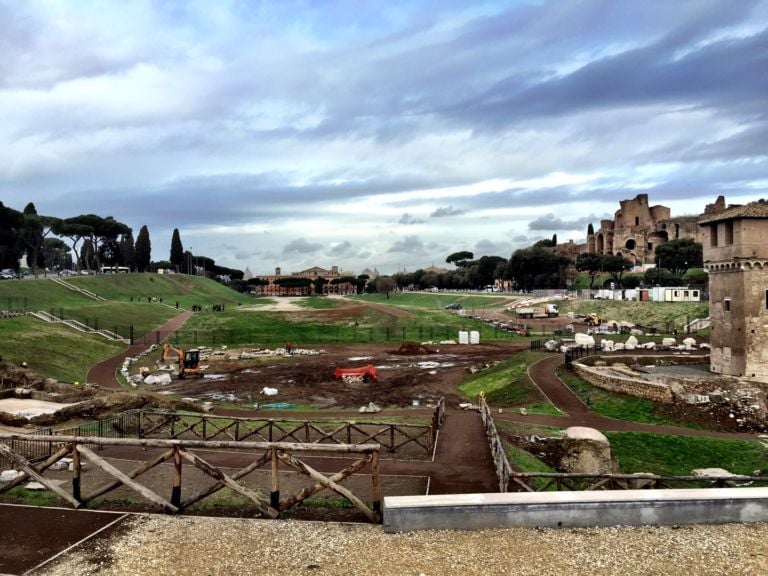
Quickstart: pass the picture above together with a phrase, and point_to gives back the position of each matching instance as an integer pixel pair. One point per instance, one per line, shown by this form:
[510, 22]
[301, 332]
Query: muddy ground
[405, 373]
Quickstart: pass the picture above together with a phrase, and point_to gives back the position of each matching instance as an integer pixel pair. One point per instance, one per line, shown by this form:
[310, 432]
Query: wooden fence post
[274, 496]
[176, 491]
[76, 473]
[376, 484]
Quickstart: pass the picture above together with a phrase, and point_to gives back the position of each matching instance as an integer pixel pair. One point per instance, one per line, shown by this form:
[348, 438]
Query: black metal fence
[32, 451]
[316, 334]
[124, 425]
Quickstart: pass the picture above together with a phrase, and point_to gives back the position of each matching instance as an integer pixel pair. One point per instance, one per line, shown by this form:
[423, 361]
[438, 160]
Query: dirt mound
[412, 349]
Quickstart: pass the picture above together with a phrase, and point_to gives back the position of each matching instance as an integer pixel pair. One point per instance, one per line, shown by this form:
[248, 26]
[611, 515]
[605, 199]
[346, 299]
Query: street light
[189, 265]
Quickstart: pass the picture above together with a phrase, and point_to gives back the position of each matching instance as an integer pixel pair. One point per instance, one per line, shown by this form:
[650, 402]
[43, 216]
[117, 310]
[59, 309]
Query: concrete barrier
[575, 509]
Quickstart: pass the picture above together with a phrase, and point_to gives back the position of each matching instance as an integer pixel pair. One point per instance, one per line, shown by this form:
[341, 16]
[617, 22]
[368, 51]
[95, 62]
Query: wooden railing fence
[500, 460]
[392, 437]
[179, 451]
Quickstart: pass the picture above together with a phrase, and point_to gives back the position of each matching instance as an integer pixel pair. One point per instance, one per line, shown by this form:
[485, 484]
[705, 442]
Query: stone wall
[615, 383]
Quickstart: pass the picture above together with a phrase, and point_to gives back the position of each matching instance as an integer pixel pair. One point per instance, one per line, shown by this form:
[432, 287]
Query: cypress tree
[177, 250]
[127, 253]
[143, 250]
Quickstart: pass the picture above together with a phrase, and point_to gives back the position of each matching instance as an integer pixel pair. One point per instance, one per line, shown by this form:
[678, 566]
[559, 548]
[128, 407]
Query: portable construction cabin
[675, 294]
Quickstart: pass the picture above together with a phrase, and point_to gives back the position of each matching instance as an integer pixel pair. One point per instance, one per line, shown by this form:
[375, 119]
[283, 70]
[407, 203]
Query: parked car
[66, 273]
[454, 306]
[7, 275]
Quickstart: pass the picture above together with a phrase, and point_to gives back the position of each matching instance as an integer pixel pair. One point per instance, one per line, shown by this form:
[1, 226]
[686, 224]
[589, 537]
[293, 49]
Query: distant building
[735, 243]
[273, 288]
[435, 270]
[637, 229]
[372, 274]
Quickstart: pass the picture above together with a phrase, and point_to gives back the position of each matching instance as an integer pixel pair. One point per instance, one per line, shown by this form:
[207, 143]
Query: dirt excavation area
[406, 374]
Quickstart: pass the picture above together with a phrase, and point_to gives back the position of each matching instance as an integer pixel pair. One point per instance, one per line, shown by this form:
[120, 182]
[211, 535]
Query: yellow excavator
[594, 319]
[189, 361]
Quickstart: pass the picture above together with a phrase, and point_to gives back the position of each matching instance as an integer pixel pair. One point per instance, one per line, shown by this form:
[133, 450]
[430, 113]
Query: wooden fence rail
[500, 460]
[511, 480]
[392, 437]
[179, 451]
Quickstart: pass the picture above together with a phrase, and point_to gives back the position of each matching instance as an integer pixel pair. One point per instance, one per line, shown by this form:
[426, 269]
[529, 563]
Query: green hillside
[56, 351]
[53, 350]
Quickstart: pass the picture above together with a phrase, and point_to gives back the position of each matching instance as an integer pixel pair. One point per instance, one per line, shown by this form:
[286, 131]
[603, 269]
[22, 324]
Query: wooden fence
[511, 480]
[179, 451]
[500, 460]
[393, 437]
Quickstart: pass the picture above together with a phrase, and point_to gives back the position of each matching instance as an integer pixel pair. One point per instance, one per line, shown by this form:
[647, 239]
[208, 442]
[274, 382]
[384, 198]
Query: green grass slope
[60, 352]
[53, 350]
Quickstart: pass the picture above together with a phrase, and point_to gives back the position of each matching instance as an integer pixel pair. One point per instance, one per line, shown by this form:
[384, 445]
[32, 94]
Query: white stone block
[584, 340]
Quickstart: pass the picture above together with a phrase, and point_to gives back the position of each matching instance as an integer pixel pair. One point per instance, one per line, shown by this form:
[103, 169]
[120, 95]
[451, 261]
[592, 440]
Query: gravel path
[161, 545]
[104, 373]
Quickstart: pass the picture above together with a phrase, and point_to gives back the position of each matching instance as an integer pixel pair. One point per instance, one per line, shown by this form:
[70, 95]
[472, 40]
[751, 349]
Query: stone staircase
[108, 334]
[83, 291]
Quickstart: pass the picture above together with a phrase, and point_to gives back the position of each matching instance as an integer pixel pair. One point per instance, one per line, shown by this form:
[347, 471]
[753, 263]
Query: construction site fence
[499, 455]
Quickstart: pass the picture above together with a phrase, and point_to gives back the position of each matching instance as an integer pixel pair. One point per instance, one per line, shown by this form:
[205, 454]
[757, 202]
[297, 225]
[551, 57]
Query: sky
[378, 134]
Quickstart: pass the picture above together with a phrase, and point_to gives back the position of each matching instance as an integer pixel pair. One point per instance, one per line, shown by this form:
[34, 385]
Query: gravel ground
[161, 545]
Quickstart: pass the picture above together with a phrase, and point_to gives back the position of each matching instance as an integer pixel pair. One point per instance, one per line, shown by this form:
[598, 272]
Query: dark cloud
[301, 246]
[447, 211]
[727, 74]
[342, 249]
[492, 248]
[552, 222]
[408, 220]
[408, 245]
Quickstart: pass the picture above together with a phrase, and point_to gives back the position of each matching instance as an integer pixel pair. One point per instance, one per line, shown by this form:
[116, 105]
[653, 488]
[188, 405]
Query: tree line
[541, 266]
[95, 242]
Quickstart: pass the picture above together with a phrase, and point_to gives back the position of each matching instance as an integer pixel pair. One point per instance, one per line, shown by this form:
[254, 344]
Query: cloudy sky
[385, 134]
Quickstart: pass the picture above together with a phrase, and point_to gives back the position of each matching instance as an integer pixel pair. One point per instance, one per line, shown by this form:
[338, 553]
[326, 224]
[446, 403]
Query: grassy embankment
[621, 406]
[507, 385]
[56, 351]
[661, 454]
[658, 314]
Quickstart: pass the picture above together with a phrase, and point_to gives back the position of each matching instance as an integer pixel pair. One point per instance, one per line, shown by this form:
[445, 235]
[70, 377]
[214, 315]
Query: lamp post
[189, 265]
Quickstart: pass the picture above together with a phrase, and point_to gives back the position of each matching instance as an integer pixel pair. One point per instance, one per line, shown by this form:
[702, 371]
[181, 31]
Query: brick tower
[736, 257]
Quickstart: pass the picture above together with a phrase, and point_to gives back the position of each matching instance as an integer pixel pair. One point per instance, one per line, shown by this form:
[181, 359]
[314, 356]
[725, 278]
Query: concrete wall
[575, 509]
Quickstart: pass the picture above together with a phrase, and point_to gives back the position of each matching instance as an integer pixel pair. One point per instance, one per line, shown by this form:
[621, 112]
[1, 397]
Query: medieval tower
[736, 257]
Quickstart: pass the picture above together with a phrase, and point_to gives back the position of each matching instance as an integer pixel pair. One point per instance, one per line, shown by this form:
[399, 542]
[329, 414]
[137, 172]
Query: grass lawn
[678, 455]
[438, 300]
[267, 328]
